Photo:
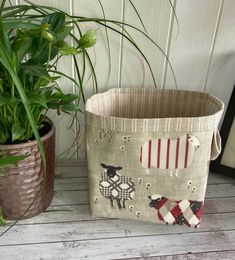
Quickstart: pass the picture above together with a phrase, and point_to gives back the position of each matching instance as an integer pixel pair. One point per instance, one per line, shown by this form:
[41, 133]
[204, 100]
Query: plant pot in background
[22, 182]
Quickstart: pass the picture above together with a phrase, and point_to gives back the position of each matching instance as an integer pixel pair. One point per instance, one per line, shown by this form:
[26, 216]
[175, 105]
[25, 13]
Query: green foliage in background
[33, 39]
[33, 47]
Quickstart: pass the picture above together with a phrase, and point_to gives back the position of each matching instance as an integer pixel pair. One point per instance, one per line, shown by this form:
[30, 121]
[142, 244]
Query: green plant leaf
[47, 90]
[69, 97]
[37, 70]
[5, 40]
[87, 40]
[21, 46]
[17, 131]
[2, 221]
[69, 107]
[3, 101]
[68, 50]
[8, 101]
[41, 56]
[55, 21]
[63, 102]
[10, 160]
[9, 24]
[63, 32]
[38, 99]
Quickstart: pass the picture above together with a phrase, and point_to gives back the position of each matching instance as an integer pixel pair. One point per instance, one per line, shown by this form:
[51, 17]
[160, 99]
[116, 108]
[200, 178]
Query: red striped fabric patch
[141, 148]
[168, 153]
[161, 203]
[177, 153]
[186, 153]
[158, 153]
[149, 154]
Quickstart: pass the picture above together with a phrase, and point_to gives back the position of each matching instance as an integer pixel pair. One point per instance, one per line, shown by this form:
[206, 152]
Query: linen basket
[149, 151]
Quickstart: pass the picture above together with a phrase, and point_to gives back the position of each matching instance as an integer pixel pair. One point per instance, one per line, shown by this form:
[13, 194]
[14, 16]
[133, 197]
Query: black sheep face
[154, 200]
[111, 170]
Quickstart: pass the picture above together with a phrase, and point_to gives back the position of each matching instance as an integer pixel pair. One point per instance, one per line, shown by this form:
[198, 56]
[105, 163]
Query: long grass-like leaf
[64, 75]
[137, 13]
[100, 21]
[136, 46]
[17, 23]
[103, 23]
[92, 70]
[85, 55]
[79, 78]
[2, 6]
[175, 15]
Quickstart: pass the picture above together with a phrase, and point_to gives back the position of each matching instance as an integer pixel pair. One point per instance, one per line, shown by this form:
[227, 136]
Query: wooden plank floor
[67, 231]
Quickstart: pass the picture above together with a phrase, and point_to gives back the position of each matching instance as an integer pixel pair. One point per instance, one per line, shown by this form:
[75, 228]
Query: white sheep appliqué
[169, 154]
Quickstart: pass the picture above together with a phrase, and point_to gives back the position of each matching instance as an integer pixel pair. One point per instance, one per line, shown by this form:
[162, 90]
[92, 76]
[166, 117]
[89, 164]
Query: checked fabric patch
[118, 187]
[181, 212]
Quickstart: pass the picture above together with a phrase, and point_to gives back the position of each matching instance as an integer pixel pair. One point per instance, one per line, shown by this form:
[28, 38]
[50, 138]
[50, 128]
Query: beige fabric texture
[124, 128]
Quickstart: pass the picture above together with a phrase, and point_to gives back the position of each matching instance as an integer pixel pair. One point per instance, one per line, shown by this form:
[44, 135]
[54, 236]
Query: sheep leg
[111, 201]
[123, 204]
[147, 172]
[119, 203]
[177, 173]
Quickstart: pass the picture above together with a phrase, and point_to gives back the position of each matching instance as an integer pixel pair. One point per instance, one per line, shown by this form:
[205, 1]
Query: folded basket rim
[126, 124]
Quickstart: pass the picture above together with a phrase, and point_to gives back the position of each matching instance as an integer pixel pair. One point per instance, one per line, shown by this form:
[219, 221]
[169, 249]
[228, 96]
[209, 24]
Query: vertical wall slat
[221, 77]
[155, 15]
[99, 54]
[217, 24]
[121, 47]
[113, 10]
[189, 51]
[168, 43]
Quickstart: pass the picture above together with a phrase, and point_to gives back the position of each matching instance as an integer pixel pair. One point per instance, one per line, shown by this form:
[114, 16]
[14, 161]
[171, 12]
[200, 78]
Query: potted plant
[33, 40]
[30, 47]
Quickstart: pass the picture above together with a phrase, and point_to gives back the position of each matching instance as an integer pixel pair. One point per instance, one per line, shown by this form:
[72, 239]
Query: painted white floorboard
[67, 230]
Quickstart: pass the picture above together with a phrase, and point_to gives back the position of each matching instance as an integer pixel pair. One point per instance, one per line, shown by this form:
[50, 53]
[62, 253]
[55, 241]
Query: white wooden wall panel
[113, 10]
[100, 54]
[155, 16]
[189, 52]
[202, 53]
[221, 76]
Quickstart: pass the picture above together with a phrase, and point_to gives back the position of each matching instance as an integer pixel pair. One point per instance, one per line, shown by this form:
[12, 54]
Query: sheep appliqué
[114, 186]
[169, 154]
[181, 212]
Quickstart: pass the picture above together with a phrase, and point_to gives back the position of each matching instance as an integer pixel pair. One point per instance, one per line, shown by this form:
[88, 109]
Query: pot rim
[30, 143]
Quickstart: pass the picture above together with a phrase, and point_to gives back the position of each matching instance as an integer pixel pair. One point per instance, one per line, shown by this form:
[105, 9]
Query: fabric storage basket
[149, 152]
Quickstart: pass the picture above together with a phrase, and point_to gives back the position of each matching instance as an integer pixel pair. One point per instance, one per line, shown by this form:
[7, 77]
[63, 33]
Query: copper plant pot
[22, 182]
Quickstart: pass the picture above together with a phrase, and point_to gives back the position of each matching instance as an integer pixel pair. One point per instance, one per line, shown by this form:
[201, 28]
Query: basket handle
[215, 145]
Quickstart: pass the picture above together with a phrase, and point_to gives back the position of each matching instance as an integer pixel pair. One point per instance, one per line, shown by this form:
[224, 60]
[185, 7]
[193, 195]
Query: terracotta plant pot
[22, 182]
